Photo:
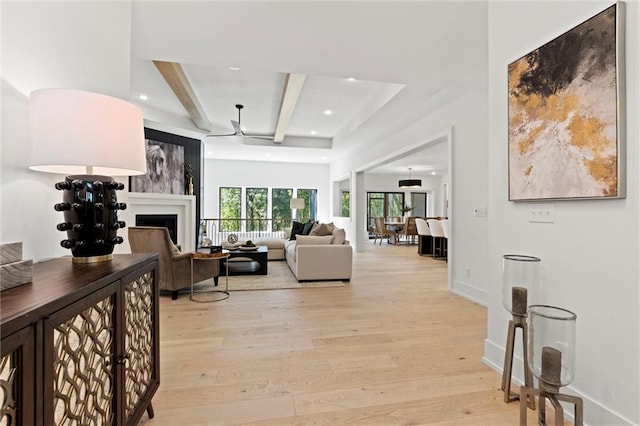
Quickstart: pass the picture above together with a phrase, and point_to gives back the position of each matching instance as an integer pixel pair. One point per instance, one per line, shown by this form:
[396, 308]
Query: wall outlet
[467, 272]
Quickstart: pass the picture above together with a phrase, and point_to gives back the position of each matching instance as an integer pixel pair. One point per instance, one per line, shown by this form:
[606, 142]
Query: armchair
[174, 268]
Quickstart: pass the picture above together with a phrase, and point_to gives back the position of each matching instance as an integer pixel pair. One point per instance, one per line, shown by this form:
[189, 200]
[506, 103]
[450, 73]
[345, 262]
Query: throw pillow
[313, 240]
[339, 236]
[296, 229]
[314, 228]
[323, 229]
[307, 227]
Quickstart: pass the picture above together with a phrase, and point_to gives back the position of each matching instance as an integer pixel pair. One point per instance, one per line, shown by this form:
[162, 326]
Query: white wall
[51, 45]
[262, 174]
[463, 108]
[590, 254]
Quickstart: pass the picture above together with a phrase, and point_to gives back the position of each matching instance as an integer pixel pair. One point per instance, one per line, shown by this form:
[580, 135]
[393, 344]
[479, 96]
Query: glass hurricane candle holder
[519, 284]
[551, 358]
[552, 343]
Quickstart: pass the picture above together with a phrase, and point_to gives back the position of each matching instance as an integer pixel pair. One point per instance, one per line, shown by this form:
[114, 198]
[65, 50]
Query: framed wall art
[566, 110]
[164, 169]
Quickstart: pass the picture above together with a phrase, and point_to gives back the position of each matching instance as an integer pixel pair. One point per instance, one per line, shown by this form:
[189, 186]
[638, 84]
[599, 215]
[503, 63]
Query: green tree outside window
[230, 209]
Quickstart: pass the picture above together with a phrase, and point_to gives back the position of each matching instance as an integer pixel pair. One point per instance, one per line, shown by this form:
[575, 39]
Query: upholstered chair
[174, 268]
[435, 227]
[424, 236]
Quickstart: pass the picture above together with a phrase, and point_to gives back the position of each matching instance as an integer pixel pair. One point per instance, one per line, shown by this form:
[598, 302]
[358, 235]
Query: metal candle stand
[551, 326]
[519, 277]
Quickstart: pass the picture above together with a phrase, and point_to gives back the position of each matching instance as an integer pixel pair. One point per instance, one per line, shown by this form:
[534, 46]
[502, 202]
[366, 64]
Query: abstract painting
[565, 138]
[164, 169]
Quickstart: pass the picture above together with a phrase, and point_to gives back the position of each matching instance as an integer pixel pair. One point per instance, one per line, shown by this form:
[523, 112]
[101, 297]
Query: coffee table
[256, 263]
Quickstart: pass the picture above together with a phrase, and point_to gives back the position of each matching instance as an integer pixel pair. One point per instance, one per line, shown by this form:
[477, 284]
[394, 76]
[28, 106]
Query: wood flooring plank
[394, 346]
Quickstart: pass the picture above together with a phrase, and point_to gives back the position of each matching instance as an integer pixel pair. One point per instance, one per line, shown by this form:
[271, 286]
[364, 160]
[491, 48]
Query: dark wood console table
[80, 344]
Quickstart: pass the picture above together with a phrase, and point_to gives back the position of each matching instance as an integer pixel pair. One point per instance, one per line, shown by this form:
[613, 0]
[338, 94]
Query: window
[281, 208]
[383, 204]
[419, 202]
[310, 204]
[344, 204]
[230, 209]
[256, 208]
[263, 209]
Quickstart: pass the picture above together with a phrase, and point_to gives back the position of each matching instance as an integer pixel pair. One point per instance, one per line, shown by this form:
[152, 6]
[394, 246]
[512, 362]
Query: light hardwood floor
[392, 347]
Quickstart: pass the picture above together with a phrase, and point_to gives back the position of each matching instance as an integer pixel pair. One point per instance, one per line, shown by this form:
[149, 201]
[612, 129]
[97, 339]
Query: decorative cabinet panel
[17, 383]
[93, 337]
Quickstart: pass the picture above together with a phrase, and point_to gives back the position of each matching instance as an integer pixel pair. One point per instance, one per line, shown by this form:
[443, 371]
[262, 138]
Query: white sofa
[312, 257]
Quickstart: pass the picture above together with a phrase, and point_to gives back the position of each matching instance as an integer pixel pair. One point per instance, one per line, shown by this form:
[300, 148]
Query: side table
[201, 296]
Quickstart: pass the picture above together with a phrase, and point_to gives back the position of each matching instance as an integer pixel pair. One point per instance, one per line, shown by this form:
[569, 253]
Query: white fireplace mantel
[148, 203]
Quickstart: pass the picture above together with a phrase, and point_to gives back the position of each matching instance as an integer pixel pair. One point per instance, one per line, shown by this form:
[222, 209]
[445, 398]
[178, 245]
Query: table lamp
[89, 136]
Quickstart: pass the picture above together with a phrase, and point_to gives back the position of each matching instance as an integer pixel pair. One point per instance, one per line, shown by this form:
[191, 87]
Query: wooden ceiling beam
[292, 88]
[175, 77]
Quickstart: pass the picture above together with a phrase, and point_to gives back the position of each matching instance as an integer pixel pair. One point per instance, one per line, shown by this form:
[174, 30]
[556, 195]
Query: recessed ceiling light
[209, 152]
[313, 132]
[324, 157]
[433, 173]
[268, 155]
[143, 97]
[234, 68]
[351, 79]
[328, 112]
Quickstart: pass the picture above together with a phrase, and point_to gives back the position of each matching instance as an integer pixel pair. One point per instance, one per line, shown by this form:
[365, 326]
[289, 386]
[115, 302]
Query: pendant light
[409, 183]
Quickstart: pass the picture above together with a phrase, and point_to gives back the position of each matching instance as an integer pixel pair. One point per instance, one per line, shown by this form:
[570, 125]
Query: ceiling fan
[238, 131]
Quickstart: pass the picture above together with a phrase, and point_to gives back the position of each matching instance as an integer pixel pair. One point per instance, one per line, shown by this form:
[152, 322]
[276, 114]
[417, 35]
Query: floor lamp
[296, 204]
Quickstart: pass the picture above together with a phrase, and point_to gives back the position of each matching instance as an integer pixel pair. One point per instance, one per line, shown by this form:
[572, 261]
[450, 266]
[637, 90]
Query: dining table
[395, 227]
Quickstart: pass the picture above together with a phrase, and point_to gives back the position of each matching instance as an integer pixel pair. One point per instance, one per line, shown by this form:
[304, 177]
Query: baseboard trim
[594, 411]
[468, 291]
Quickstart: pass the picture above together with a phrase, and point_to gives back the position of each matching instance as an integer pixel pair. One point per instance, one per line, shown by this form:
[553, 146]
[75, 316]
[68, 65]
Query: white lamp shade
[297, 203]
[70, 130]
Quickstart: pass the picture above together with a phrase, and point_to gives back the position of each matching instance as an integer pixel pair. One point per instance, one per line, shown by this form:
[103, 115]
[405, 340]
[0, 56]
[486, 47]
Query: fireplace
[182, 206]
[169, 221]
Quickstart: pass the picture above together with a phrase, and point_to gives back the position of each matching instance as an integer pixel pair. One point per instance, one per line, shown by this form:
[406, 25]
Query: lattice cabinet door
[79, 351]
[141, 344]
[17, 378]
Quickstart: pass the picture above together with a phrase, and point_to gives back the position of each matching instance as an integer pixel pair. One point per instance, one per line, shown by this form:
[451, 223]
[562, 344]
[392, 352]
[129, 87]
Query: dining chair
[382, 231]
[437, 235]
[409, 229]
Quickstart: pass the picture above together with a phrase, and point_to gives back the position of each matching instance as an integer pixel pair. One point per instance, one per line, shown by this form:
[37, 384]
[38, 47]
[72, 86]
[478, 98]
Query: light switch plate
[480, 212]
[542, 213]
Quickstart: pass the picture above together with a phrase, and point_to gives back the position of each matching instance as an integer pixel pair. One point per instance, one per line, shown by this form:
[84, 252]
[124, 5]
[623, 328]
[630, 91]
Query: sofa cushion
[307, 240]
[296, 229]
[307, 227]
[339, 236]
[322, 229]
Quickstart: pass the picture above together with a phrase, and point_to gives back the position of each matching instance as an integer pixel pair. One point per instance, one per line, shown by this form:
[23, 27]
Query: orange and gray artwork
[563, 116]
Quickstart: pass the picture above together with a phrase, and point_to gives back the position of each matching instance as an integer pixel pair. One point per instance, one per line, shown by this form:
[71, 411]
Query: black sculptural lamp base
[90, 206]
